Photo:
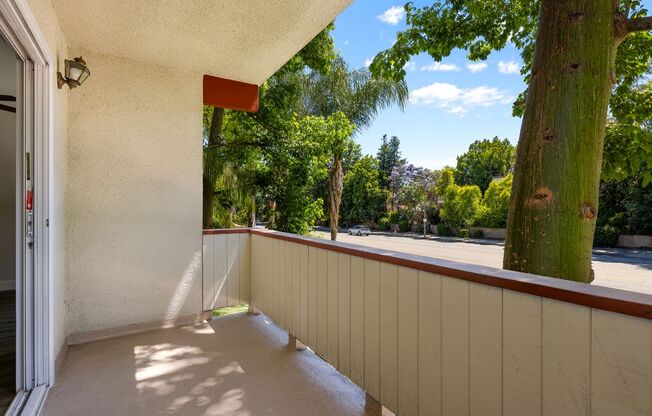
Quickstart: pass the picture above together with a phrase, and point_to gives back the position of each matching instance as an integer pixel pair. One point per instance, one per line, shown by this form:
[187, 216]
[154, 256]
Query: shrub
[393, 217]
[383, 224]
[495, 204]
[461, 205]
[404, 225]
[477, 234]
[464, 233]
[605, 236]
[444, 230]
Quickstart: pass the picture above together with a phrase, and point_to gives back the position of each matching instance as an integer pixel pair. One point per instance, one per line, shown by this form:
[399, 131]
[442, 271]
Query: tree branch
[639, 24]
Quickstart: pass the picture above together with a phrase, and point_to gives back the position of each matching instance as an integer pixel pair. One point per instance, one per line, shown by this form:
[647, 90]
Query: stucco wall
[134, 232]
[49, 27]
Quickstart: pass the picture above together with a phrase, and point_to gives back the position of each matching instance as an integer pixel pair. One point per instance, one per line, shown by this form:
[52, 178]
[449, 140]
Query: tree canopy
[484, 161]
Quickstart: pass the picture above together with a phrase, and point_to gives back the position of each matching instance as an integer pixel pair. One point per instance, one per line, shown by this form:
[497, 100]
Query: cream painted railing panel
[426, 344]
[226, 270]
[485, 350]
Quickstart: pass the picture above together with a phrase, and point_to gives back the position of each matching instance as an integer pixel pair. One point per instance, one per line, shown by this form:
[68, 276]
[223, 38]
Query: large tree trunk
[208, 183]
[554, 197]
[335, 184]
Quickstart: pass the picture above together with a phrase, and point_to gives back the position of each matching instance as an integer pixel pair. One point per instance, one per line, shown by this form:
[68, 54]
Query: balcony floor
[238, 366]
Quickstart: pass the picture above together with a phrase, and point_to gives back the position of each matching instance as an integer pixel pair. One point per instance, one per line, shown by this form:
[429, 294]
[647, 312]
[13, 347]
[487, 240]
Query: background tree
[446, 179]
[552, 215]
[389, 157]
[333, 133]
[625, 208]
[485, 160]
[359, 97]
[628, 142]
[363, 200]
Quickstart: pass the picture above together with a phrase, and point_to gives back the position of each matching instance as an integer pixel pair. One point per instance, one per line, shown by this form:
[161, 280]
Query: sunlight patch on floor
[163, 359]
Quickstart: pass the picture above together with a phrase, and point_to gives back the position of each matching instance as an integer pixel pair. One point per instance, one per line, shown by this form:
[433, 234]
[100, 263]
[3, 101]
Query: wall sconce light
[76, 73]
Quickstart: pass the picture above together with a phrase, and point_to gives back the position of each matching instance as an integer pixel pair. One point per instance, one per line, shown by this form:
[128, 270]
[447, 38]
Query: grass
[229, 310]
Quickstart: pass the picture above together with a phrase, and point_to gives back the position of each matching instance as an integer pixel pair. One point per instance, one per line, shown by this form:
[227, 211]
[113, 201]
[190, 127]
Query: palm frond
[354, 92]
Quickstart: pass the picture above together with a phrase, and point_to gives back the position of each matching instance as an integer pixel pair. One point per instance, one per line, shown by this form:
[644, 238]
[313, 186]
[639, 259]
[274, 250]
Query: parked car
[359, 230]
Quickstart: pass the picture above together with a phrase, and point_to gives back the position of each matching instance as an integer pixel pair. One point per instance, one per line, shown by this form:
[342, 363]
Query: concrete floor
[238, 365]
[617, 268]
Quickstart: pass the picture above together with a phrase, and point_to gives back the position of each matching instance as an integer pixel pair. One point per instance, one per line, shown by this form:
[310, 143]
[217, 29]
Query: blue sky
[451, 104]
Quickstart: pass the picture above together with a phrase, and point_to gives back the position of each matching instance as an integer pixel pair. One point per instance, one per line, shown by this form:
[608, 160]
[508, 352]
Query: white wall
[7, 171]
[134, 232]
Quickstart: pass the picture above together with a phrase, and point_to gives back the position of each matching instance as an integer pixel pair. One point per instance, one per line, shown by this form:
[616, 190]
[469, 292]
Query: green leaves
[461, 205]
[477, 26]
[495, 204]
[485, 160]
[353, 92]
[363, 200]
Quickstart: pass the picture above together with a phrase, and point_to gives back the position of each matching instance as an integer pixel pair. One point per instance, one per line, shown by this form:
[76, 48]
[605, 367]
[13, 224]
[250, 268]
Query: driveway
[617, 268]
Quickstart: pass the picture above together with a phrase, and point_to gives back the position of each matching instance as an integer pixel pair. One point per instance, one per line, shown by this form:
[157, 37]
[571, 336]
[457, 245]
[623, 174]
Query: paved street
[618, 268]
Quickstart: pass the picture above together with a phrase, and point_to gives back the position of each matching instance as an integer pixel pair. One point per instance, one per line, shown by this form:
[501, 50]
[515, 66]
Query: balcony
[420, 336]
[236, 365]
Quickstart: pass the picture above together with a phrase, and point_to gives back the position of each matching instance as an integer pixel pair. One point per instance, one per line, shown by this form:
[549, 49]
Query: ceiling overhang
[240, 40]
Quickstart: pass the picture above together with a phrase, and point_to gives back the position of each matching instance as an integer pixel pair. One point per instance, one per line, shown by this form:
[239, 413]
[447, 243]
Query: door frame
[20, 29]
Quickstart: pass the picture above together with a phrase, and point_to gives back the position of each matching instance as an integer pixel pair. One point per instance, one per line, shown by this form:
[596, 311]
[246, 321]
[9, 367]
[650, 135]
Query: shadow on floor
[238, 365]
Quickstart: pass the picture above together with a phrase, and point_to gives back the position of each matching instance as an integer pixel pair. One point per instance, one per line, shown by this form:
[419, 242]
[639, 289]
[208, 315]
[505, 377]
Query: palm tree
[360, 97]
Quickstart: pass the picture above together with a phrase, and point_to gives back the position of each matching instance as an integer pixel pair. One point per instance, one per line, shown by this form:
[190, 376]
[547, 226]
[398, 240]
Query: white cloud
[476, 67]
[410, 66]
[511, 67]
[439, 93]
[368, 62]
[392, 16]
[486, 96]
[440, 66]
[459, 100]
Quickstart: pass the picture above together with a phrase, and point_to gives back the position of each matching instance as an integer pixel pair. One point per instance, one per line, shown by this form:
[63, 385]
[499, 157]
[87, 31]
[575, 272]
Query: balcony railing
[431, 337]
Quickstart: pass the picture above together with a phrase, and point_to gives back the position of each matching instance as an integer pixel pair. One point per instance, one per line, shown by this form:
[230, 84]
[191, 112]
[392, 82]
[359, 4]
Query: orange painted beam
[233, 95]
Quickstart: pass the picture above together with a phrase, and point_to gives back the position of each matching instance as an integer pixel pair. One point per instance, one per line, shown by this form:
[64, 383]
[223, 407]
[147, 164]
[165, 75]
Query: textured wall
[245, 40]
[134, 233]
[49, 26]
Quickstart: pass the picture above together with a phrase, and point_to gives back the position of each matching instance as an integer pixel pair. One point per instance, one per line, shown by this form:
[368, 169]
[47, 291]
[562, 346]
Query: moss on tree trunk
[554, 197]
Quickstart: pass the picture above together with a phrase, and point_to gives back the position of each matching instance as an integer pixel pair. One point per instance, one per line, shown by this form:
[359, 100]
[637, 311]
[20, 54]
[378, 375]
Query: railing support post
[372, 406]
[294, 343]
